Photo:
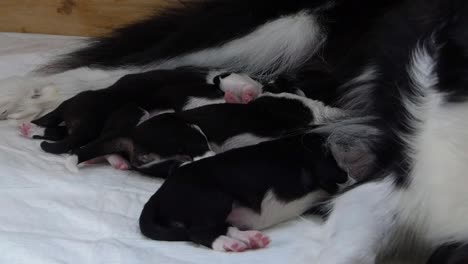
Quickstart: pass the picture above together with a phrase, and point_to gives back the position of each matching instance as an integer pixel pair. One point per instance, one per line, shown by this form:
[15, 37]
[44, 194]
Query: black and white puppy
[174, 138]
[156, 91]
[221, 202]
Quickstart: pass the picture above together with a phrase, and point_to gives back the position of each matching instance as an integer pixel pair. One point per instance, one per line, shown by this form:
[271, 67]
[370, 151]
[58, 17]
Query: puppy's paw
[231, 98]
[249, 94]
[254, 239]
[227, 244]
[29, 130]
[240, 89]
[118, 162]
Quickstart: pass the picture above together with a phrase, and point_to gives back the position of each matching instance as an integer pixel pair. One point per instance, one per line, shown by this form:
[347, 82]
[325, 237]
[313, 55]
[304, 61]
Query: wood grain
[74, 17]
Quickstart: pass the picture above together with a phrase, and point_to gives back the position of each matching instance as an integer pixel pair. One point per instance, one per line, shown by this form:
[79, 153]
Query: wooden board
[73, 17]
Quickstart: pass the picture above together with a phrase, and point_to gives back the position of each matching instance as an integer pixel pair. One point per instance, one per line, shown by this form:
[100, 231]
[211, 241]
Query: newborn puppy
[84, 115]
[210, 201]
[175, 138]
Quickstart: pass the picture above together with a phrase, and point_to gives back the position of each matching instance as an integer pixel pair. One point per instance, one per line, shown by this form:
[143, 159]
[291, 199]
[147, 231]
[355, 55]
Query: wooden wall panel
[73, 17]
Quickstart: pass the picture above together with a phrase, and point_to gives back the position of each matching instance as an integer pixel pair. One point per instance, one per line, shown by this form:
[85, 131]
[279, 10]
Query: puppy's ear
[352, 145]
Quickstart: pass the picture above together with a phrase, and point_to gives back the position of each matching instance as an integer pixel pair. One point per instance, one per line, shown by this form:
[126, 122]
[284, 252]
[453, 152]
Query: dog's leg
[78, 137]
[53, 134]
[361, 221]
[103, 147]
[30, 130]
[118, 162]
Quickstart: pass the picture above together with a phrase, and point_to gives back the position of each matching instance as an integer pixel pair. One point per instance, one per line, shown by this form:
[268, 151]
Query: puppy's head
[352, 143]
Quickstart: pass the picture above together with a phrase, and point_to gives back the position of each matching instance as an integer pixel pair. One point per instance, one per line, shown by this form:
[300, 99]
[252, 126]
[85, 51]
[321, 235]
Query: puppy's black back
[267, 116]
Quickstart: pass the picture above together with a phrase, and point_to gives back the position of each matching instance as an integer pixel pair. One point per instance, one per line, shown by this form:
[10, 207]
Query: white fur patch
[436, 202]
[71, 163]
[273, 211]
[204, 156]
[238, 141]
[322, 113]
[194, 102]
[359, 225]
[282, 44]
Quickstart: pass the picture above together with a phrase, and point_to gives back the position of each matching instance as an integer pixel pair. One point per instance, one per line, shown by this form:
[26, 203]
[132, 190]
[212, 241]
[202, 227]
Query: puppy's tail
[150, 227]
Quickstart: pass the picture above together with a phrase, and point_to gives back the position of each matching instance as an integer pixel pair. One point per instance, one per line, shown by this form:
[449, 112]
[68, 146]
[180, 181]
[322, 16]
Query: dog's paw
[29, 130]
[227, 244]
[254, 239]
[240, 89]
[118, 162]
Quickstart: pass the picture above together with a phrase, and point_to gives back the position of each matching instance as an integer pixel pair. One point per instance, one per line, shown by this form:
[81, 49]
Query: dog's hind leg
[53, 134]
[104, 147]
[77, 137]
[30, 130]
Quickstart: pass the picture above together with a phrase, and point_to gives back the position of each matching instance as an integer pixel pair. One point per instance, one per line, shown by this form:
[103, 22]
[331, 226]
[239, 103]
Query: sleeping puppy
[156, 91]
[228, 196]
[173, 138]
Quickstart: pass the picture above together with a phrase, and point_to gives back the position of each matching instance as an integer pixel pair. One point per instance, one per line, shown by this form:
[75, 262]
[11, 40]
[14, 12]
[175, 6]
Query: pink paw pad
[254, 239]
[248, 96]
[26, 129]
[259, 241]
[118, 162]
[235, 247]
[227, 244]
[231, 98]
[122, 166]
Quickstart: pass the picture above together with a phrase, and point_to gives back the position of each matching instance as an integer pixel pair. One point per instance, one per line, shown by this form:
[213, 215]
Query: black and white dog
[402, 61]
[221, 202]
[170, 139]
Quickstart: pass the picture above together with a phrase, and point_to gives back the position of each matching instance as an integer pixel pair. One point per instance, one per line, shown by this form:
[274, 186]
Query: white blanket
[49, 215]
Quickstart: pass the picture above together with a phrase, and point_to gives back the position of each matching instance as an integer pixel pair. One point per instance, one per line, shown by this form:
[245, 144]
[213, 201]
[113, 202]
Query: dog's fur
[402, 61]
[173, 138]
[249, 189]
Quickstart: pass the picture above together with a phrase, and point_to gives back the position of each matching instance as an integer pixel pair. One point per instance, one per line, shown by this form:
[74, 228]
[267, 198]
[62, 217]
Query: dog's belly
[273, 211]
